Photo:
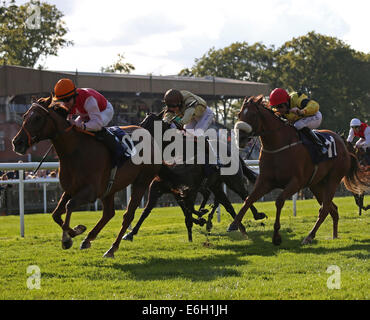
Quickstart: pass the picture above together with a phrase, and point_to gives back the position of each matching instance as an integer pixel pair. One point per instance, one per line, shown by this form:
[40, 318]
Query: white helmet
[355, 123]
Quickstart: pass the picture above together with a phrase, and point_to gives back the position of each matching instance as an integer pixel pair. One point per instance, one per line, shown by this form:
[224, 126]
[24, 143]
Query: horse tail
[357, 180]
[248, 173]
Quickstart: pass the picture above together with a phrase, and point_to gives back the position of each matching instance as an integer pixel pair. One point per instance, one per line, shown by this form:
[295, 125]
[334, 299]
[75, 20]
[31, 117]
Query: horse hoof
[260, 216]
[109, 254]
[128, 237]
[85, 245]
[232, 227]
[79, 229]
[307, 240]
[276, 240]
[66, 244]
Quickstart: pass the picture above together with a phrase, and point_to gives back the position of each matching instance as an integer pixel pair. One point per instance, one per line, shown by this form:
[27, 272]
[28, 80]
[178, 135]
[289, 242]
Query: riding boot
[108, 139]
[315, 139]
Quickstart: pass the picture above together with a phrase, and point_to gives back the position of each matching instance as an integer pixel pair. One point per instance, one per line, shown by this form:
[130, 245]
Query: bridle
[263, 132]
[268, 132]
[33, 139]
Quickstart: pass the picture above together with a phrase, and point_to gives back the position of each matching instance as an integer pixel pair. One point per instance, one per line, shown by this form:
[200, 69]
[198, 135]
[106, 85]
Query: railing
[21, 167]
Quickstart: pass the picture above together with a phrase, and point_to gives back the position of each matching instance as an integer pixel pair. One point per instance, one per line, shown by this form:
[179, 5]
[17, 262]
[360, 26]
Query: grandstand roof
[15, 80]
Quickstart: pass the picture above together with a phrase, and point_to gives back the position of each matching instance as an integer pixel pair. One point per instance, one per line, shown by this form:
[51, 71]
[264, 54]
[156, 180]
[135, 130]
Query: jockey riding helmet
[278, 96]
[64, 89]
[173, 98]
[355, 123]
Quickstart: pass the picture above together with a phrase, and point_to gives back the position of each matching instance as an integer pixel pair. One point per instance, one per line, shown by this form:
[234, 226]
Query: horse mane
[60, 109]
[259, 100]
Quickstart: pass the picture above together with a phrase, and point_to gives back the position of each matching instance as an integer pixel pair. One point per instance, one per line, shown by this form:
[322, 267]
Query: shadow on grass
[262, 244]
[194, 269]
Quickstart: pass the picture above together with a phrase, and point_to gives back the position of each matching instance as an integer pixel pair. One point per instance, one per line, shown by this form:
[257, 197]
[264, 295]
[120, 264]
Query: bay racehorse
[85, 170]
[285, 163]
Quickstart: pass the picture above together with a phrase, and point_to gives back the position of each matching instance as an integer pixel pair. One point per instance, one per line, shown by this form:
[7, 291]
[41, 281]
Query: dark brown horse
[285, 163]
[85, 170]
[193, 179]
[363, 160]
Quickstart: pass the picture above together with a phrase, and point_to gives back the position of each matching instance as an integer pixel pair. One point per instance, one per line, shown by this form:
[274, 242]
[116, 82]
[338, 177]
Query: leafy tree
[29, 32]
[119, 66]
[330, 72]
[237, 61]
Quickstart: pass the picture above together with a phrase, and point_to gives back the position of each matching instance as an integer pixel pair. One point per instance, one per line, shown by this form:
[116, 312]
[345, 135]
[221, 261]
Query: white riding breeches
[199, 127]
[312, 122]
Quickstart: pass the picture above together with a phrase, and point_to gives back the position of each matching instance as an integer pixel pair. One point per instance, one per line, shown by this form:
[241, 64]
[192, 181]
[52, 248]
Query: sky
[163, 37]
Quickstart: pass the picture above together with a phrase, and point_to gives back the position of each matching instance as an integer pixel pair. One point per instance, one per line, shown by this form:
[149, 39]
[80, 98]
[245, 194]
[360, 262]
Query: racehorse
[192, 179]
[85, 170]
[361, 156]
[285, 163]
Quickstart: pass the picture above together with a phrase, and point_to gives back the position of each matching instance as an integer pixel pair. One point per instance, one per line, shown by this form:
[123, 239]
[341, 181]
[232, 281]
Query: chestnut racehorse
[85, 170]
[285, 163]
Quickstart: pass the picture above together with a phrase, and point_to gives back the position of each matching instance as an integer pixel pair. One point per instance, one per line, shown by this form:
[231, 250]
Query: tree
[119, 66]
[330, 72]
[29, 32]
[237, 61]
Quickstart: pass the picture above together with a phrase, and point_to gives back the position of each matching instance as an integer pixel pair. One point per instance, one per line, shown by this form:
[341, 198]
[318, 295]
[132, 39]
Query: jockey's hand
[296, 111]
[77, 124]
[177, 121]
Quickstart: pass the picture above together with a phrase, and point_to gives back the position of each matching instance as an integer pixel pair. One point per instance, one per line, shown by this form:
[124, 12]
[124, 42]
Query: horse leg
[84, 196]
[108, 214]
[60, 209]
[201, 211]
[289, 190]
[335, 216]
[236, 184]
[327, 206]
[260, 189]
[188, 217]
[138, 190]
[359, 199]
[210, 216]
[155, 192]
[222, 198]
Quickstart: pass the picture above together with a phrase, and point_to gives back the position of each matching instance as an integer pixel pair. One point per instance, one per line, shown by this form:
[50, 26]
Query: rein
[268, 132]
[32, 139]
[282, 148]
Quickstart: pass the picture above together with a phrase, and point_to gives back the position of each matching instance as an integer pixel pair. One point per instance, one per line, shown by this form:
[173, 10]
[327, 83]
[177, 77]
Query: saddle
[313, 150]
[119, 143]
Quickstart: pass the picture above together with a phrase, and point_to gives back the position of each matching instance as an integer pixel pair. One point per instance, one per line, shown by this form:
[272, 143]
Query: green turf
[161, 264]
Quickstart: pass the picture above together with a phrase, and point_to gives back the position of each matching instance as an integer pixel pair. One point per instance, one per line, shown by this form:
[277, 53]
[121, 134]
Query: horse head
[38, 124]
[150, 119]
[248, 120]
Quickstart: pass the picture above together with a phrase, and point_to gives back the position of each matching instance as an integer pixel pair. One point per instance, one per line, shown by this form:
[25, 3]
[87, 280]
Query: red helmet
[278, 96]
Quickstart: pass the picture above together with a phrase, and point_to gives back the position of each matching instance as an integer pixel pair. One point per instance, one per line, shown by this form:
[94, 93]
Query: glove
[177, 119]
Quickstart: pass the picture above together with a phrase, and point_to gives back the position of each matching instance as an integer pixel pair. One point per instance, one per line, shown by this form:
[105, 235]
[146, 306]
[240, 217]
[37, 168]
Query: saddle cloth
[125, 147]
[313, 149]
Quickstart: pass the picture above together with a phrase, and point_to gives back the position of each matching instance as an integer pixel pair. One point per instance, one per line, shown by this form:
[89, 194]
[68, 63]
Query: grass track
[161, 264]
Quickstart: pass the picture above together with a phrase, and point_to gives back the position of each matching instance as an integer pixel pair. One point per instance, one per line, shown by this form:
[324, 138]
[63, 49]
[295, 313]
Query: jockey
[298, 109]
[191, 112]
[93, 109]
[362, 131]
[188, 110]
